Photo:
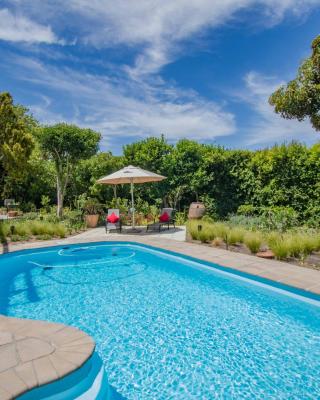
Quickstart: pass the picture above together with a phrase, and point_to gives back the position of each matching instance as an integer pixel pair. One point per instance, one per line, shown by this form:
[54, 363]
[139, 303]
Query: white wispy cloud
[18, 28]
[138, 102]
[265, 127]
[120, 107]
[161, 26]
[157, 28]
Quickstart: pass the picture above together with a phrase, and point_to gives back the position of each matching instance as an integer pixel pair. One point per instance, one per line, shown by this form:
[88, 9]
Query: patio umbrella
[131, 175]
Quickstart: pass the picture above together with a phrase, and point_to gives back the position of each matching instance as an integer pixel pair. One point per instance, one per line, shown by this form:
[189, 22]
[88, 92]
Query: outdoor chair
[166, 218]
[113, 220]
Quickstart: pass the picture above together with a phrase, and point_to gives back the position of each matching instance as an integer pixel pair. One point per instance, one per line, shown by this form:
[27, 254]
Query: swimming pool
[167, 327]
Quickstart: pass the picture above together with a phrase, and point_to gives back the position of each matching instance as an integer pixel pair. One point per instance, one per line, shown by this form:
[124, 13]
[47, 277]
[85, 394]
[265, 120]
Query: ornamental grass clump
[236, 235]
[41, 228]
[60, 230]
[46, 229]
[220, 230]
[280, 249]
[193, 230]
[317, 242]
[21, 229]
[201, 230]
[280, 245]
[207, 233]
[296, 245]
[302, 245]
[253, 240]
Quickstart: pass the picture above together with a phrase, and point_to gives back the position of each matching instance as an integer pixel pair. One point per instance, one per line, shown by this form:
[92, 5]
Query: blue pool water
[168, 328]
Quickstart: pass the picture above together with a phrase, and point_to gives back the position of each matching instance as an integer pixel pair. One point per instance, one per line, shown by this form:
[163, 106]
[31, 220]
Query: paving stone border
[34, 353]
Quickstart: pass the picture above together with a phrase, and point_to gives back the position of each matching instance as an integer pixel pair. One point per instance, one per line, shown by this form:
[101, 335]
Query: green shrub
[279, 218]
[28, 207]
[30, 215]
[312, 216]
[247, 222]
[123, 205]
[253, 240]
[210, 205]
[180, 218]
[247, 210]
[52, 218]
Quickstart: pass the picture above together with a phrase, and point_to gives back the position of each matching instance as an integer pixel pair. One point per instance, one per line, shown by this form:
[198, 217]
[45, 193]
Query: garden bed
[43, 227]
[297, 248]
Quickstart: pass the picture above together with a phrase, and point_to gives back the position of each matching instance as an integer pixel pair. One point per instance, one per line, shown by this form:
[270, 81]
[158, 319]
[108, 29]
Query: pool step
[89, 382]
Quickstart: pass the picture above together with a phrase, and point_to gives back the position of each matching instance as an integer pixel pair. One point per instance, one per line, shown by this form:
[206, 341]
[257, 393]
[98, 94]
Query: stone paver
[33, 353]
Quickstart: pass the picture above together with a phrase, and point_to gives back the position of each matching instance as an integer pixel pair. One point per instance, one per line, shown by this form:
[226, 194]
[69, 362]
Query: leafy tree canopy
[66, 145]
[16, 141]
[300, 98]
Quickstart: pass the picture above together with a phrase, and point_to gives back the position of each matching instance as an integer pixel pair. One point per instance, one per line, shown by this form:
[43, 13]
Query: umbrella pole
[115, 194]
[132, 204]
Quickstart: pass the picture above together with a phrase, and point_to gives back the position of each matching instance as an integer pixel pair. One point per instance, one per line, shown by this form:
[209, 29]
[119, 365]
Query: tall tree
[300, 98]
[66, 145]
[16, 141]
[87, 172]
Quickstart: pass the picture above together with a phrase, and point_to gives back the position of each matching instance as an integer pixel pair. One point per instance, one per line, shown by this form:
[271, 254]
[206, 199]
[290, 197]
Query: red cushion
[113, 218]
[164, 217]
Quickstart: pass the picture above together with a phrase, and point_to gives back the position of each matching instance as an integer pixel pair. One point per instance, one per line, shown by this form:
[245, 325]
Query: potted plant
[91, 210]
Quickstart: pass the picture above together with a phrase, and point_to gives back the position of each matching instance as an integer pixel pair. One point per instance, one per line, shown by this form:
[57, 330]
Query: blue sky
[197, 69]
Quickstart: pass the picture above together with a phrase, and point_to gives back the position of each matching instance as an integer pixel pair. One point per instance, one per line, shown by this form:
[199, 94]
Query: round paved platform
[33, 353]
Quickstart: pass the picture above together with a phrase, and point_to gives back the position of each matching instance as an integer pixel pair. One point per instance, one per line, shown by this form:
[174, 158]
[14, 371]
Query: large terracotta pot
[196, 210]
[92, 220]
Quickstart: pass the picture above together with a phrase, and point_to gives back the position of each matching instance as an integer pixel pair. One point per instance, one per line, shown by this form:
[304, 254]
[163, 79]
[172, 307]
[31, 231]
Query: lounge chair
[113, 220]
[170, 220]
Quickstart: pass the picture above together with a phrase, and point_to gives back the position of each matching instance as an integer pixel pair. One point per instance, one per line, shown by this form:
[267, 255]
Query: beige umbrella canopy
[131, 175]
